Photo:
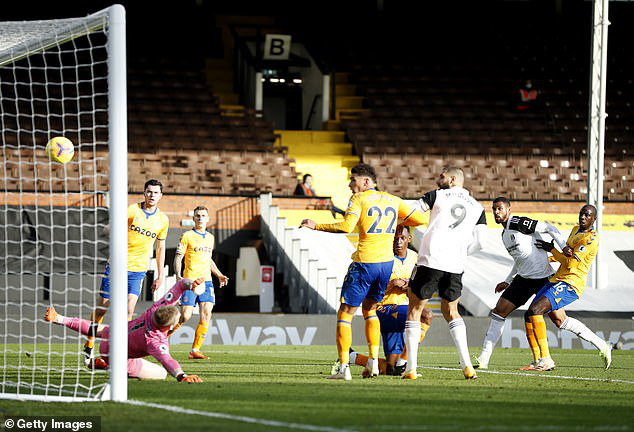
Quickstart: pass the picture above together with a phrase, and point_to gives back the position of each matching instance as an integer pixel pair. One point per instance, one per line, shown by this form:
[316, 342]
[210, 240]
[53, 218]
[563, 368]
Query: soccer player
[147, 335]
[146, 224]
[196, 246]
[455, 217]
[529, 274]
[392, 310]
[565, 287]
[376, 214]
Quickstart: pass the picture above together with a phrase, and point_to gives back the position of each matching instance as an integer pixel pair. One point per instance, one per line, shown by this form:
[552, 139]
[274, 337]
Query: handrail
[312, 111]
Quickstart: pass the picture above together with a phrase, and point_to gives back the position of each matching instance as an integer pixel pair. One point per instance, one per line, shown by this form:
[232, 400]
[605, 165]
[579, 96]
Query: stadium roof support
[596, 127]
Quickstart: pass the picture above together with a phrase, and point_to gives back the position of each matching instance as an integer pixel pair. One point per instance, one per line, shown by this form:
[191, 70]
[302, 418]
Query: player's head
[501, 209]
[587, 216]
[362, 178]
[402, 238]
[152, 191]
[201, 217]
[449, 177]
[307, 179]
[166, 317]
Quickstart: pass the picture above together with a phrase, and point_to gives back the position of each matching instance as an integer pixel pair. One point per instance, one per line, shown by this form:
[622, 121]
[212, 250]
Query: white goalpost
[64, 77]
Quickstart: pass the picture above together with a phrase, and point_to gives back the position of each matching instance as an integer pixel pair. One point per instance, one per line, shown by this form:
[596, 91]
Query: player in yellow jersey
[565, 287]
[376, 214]
[146, 224]
[392, 310]
[196, 247]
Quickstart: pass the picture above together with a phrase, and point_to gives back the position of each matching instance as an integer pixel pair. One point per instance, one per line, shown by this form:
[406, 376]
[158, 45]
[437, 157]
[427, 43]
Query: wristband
[180, 377]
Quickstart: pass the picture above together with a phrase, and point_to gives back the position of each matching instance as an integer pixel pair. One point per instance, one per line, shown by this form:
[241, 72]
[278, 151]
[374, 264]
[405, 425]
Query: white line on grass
[606, 380]
[529, 428]
[244, 419]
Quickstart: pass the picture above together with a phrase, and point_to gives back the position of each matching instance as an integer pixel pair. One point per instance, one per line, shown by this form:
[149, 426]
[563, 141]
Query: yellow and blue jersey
[402, 269]
[377, 214]
[574, 270]
[143, 229]
[197, 249]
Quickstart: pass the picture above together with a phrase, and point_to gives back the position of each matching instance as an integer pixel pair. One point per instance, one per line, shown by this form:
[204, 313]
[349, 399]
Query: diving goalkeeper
[147, 335]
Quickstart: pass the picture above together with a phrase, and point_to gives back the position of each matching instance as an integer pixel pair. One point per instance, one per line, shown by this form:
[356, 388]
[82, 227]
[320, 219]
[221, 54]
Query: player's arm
[409, 215]
[181, 250]
[160, 351]
[479, 232]
[216, 272]
[160, 254]
[545, 227]
[427, 201]
[178, 265]
[350, 220]
[507, 282]
[160, 263]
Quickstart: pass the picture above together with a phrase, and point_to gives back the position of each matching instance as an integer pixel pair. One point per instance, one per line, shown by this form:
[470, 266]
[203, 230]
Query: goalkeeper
[147, 335]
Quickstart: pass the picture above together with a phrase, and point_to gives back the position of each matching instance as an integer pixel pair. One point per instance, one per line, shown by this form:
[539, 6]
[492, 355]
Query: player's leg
[372, 335]
[132, 301]
[564, 322]
[450, 290]
[354, 290]
[83, 326]
[536, 328]
[204, 309]
[343, 337]
[145, 370]
[423, 283]
[135, 283]
[378, 276]
[498, 318]
[425, 324]
[187, 301]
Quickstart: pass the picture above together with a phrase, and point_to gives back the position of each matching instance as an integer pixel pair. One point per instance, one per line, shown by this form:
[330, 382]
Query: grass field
[271, 388]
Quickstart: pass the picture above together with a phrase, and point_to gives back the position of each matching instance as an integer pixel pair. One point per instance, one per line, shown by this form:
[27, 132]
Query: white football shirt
[519, 235]
[453, 217]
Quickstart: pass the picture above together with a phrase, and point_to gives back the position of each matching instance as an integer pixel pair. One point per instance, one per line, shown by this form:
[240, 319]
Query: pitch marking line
[606, 380]
[244, 419]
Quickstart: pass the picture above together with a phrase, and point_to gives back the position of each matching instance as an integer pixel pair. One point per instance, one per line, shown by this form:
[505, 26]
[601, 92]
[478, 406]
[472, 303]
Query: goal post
[63, 77]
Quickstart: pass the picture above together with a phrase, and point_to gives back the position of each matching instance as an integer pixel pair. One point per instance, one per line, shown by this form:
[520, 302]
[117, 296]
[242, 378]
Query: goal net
[55, 81]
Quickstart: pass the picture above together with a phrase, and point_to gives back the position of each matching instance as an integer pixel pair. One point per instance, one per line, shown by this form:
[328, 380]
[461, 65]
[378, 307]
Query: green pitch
[277, 388]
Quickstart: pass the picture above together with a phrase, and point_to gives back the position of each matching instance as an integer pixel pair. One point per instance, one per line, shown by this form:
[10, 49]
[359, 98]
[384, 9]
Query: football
[60, 149]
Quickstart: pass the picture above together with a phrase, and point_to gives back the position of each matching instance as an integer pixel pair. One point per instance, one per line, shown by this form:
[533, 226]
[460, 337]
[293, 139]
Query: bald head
[451, 176]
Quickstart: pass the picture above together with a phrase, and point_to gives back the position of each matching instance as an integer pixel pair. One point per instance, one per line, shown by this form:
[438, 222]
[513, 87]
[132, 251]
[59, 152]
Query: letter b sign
[277, 47]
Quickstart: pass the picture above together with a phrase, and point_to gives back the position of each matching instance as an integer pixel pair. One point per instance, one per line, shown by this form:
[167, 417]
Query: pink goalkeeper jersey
[144, 339]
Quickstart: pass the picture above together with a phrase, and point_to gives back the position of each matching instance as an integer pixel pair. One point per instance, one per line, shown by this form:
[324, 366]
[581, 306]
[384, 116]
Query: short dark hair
[403, 228]
[199, 208]
[503, 199]
[153, 182]
[364, 170]
[305, 176]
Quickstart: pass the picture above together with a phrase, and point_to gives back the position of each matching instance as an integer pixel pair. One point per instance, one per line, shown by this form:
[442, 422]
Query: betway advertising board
[272, 329]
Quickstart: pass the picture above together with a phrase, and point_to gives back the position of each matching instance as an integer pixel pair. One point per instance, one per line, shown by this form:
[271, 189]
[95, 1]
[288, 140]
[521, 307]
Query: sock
[532, 342]
[493, 335]
[580, 329]
[90, 343]
[403, 358]
[458, 331]
[412, 336]
[199, 336]
[344, 336]
[423, 331]
[539, 328]
[81, 325]
[372, 332]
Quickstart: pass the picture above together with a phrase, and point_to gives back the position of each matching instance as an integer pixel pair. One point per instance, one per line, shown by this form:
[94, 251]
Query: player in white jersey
[531, 270]
[454, 220]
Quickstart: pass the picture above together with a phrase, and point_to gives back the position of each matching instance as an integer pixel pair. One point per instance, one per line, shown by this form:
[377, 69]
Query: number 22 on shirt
[383, 220]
